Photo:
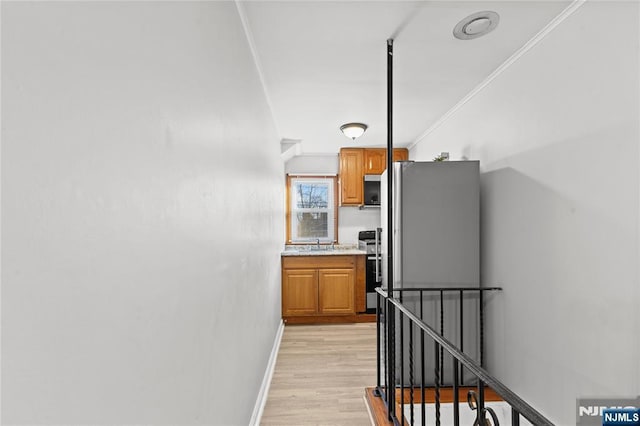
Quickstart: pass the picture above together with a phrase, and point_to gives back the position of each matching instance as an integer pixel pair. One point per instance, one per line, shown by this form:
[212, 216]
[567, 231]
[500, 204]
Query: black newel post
[391, 369]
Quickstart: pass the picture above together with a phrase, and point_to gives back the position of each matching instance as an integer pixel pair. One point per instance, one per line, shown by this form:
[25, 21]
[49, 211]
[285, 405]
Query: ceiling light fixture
[353, 130]
[476, 25]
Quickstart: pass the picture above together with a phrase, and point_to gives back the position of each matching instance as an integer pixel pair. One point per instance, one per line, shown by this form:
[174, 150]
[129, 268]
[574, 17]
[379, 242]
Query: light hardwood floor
[320, 375]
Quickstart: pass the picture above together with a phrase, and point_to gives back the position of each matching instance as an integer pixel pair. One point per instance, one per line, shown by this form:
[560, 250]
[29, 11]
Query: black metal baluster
[411, 382]
[515, 417]
[481, 402]
[437, 382]
[481, 329]
[401, 364]
[461, 334]
[377, 343]
[390, 389]
[442, 334]
[422, 376]
[384, 343]
[456, 390]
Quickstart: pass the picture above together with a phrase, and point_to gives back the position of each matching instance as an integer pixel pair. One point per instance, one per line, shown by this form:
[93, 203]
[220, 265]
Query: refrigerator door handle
[378, 255]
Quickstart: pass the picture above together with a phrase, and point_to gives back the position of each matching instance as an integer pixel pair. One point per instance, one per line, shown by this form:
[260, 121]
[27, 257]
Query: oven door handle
[378, 274]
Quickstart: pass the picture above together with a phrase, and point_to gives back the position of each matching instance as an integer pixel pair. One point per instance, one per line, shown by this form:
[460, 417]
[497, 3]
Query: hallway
[320, 375]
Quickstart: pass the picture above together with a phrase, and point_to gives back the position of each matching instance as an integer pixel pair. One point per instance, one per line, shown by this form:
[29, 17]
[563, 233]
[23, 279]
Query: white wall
[309, 164]
[557, 136]
[351, 220]
[141, 215]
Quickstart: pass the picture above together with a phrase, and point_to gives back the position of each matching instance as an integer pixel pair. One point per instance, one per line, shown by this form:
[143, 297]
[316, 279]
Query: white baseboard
[258, 409]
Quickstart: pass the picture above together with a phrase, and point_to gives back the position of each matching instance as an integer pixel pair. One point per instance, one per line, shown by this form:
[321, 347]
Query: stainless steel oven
[370, 241]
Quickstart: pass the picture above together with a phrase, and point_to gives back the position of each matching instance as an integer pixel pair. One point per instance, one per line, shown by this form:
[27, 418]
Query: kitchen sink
[309, 248]
[313, 248]
[321, 248]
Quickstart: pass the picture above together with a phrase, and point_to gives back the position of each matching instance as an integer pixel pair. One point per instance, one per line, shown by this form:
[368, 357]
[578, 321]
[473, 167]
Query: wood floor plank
[320, 375]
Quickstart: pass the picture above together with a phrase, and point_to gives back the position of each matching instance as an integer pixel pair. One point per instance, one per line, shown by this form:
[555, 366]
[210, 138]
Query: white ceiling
[323, 63]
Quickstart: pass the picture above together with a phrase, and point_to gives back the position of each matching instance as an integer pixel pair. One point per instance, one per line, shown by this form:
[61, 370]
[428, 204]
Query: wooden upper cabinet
[351, 176]
[357, 162]
[375, 161]
[400, 154]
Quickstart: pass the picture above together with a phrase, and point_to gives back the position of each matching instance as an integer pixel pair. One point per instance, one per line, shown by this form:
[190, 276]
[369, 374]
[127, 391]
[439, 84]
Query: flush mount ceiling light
[353, 130]
[476, 25]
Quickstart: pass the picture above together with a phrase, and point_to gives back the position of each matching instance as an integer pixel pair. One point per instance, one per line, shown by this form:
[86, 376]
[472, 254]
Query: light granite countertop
[312, 250]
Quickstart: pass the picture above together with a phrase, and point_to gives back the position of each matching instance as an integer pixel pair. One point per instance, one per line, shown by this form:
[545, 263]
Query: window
[312, 209]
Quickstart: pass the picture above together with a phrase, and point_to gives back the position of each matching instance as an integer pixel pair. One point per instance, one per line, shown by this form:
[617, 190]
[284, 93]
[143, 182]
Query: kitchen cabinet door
[351, 176]
[400, 154]
[375, 161]
[336, 291]
[300, 292]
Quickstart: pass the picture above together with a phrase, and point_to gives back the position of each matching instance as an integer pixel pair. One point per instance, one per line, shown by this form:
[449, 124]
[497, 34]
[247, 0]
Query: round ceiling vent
[476, 25]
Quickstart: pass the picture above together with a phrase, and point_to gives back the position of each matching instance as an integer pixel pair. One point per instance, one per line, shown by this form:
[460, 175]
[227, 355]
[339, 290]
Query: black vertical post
[391, 366]
[481, 301]
[456, 391]
[422, 379]
[515, 417]
[390, 166]
[442, 334]
[437, 382]
[386, 346]
[411, 381]
[378, 328]
[422, 375]
[461, 334]
[402, 360]
[401, 319]
[480, 382]
[481, 413]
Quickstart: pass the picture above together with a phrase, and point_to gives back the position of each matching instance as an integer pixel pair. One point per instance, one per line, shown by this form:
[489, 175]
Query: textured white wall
[557, 136]
[307, 164]
[141, 215]
[353, 220]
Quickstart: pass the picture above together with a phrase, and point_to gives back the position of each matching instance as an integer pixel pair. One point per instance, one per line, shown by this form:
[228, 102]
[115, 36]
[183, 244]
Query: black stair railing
[396, 365]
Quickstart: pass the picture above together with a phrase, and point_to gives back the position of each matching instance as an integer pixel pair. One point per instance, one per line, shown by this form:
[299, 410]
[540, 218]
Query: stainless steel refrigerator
[436, 243]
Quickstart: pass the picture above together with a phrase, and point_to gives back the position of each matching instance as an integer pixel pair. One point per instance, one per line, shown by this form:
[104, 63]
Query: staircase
[407, 393]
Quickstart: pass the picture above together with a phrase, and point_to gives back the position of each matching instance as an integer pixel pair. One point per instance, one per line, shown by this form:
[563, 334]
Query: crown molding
[568, 11]
[256, 61]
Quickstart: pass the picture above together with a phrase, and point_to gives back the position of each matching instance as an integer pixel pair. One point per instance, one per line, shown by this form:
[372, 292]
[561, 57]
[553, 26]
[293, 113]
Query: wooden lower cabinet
[336, 291]
[322, 286]
[299, 292]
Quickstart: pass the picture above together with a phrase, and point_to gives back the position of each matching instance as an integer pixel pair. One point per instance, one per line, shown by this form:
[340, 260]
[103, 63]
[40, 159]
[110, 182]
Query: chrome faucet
[318, 243]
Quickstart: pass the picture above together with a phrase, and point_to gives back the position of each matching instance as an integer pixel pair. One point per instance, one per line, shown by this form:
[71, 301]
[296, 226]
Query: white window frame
[331, 209]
